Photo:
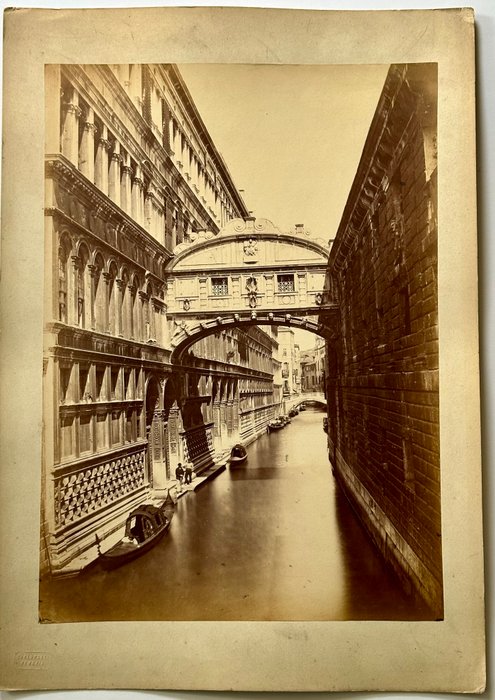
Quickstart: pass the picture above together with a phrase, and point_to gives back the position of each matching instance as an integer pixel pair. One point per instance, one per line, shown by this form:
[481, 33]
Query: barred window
[219, 286]
[285, 283]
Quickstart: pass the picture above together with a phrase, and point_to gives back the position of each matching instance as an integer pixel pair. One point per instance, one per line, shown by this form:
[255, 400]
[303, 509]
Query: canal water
[272, 539]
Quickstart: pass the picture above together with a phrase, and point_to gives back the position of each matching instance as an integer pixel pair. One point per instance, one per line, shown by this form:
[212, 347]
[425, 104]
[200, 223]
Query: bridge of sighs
[251, 273]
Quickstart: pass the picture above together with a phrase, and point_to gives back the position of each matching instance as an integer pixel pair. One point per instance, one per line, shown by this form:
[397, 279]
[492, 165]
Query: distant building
[313, 367]
[289, 357]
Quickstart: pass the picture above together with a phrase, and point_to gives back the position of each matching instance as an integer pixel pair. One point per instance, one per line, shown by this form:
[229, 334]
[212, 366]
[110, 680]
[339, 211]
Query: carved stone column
[107, 310]
[126, 185]
[148, 212]
[119, 320]
[144, 305]
[114, 175]
[158, 450]
[101, 162]
[93, 274]
[137, 197]
[86, 152]
[130, 312]
[70, 132]
[177, 145]
[77, 303]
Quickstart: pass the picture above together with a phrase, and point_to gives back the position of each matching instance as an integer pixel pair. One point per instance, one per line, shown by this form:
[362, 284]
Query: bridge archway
[187, 334]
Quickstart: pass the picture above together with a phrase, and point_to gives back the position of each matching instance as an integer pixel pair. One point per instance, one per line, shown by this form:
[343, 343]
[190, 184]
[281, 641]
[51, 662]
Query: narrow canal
[273, 539]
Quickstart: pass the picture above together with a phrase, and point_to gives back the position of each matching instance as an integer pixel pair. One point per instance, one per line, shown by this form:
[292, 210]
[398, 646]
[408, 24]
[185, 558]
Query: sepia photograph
[252, 380]
[240, 390]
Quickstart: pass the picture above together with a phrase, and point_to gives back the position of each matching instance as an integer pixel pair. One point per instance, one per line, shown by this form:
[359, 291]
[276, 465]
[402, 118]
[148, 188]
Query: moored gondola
[145, 526]
[276, 424]
[238, 454]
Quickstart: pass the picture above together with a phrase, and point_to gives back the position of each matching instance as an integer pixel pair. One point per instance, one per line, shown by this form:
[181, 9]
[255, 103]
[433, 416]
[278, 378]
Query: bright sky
[291, 136]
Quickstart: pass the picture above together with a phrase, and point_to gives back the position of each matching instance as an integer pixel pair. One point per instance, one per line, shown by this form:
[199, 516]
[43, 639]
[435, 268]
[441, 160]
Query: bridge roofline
[207, 239]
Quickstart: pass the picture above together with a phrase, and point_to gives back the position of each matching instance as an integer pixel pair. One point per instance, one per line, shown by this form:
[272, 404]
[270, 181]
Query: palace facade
[131, 173]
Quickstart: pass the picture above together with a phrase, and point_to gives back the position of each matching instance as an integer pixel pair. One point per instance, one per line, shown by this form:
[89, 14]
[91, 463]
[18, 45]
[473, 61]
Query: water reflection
[272, 539]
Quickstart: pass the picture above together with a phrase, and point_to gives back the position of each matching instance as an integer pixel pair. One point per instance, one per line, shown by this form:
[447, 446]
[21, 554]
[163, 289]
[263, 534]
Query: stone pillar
[171, 136]
[86, 153]
[177, 145]
[137, 197]
[156, 321]
[75, 286]
[148, 212]
[114, 175]
[173, 229]
[70, 132]
[157, 451]
[101, 163]
[93, 272]
[107, 310]
[126, 185]
[131, 311]
[119, 320]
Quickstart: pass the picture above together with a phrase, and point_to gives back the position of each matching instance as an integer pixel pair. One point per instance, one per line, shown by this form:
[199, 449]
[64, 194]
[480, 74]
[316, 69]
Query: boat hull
[238, 460]
[123, 552]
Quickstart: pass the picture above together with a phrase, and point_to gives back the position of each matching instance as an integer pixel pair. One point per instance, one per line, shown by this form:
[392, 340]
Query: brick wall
[382, 369]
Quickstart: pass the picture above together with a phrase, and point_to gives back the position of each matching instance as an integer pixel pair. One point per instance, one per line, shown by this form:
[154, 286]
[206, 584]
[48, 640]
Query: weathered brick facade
[382, 373]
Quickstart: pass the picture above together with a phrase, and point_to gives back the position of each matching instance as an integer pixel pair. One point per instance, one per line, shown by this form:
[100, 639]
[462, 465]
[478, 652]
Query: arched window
[148, 314]
[99, 300]
[82, 287]
[124, 306]
[112, 299]
[63, 280]
[133, 310]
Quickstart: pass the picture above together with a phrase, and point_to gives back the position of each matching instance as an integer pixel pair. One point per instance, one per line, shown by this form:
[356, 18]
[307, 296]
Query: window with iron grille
[285, 283]
[219, 286]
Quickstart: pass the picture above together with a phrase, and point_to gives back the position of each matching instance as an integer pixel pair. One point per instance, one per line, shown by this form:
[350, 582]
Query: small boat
[276, 424]
[145, 526]
[293, 412]
[302, 407]
[238, 454]
[286, 419]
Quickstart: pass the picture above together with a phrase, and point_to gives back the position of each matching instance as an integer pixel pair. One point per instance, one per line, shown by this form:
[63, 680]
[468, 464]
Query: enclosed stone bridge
[315, 397]
[251, 273]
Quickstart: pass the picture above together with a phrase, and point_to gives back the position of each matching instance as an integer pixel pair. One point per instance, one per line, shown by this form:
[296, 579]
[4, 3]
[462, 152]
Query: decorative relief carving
[84, 492]
[250, 248]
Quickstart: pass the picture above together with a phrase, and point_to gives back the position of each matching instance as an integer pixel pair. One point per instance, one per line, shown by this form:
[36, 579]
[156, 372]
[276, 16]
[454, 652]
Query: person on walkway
[179, 475]
[189, 472]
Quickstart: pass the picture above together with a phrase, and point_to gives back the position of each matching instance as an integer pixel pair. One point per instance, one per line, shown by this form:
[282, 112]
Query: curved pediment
[249, 244]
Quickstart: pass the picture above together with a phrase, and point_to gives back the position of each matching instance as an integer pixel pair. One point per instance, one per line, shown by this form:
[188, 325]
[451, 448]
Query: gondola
[276, 424]
[145, 526]
[238, 454]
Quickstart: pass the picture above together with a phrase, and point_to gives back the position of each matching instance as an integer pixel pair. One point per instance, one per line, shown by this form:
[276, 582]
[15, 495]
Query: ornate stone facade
[131, 174]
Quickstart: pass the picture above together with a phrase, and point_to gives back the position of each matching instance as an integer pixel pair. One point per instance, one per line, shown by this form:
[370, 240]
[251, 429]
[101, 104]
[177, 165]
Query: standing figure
[179, 475]
[189, 472]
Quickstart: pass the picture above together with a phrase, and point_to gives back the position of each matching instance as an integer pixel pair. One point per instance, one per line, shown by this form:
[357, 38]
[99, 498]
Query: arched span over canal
[251, 273]
[187, 334]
